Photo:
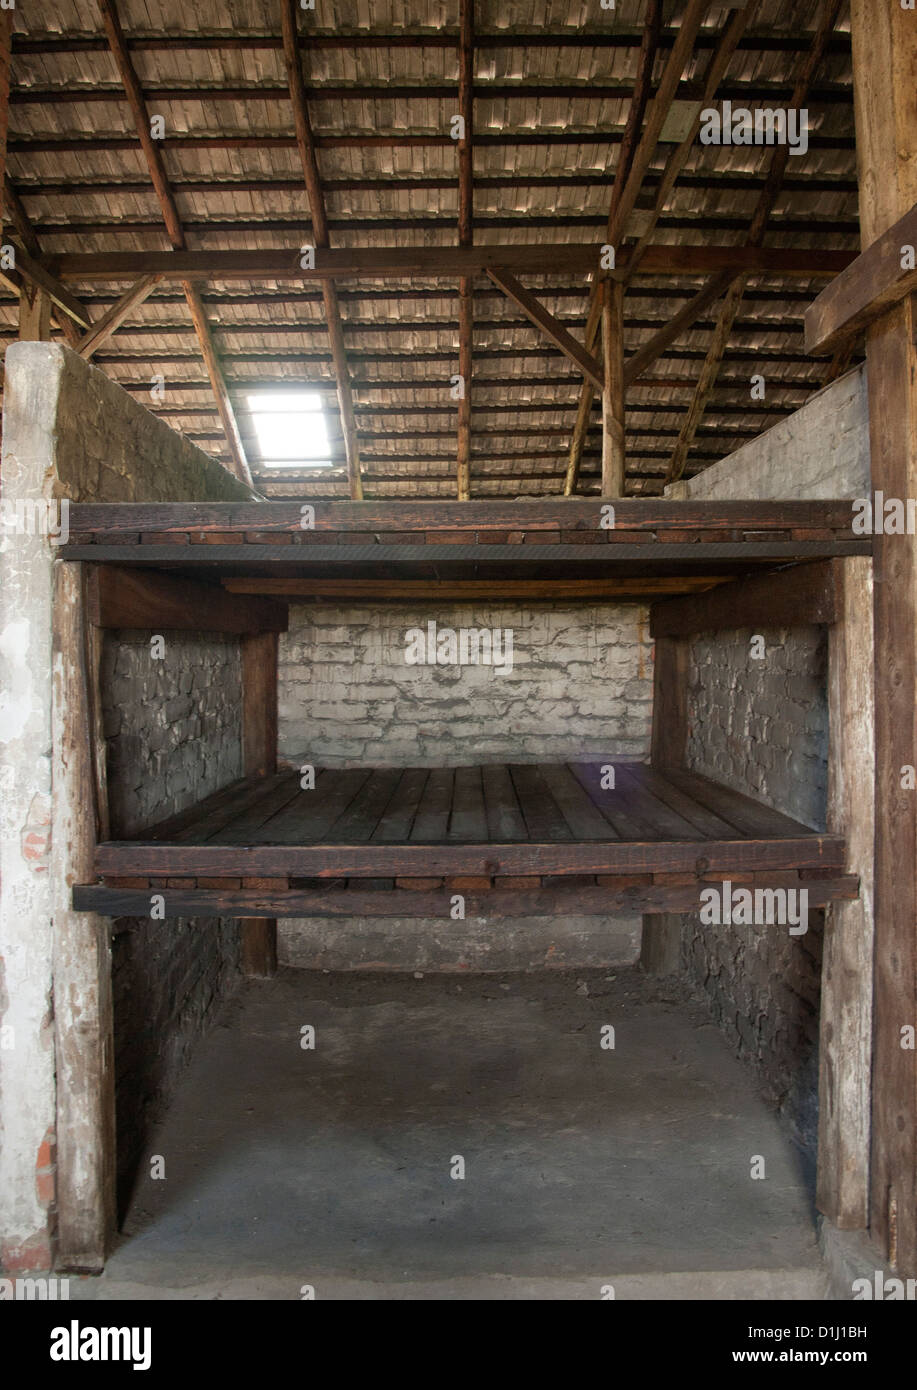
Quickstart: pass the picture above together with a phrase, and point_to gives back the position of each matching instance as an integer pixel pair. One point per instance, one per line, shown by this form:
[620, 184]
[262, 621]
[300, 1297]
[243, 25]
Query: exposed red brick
[419, 885]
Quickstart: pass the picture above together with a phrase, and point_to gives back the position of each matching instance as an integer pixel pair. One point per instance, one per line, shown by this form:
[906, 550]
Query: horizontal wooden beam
[120, 597]
[546, 514]
[419, 590]
[800, 595]
[550, 326]
[385, 262]
[873, 283]
[605, 901]
[421, 860]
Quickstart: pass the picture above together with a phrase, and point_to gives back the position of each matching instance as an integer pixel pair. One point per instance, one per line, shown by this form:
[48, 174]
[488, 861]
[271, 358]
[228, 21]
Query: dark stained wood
[505, 820]
[398, 817]
[452, 590]
[120, 597]
[357, 824]
[311, 815]
[613, 460]
[750, 817]
[671, 665]
[787, 598]
[559, 901]
[544, 819]
[259, 704]
[110, 322]
[690, 312]
[469, 819]
[496, 515]
[885, 83]
[550, 326]
[873, 283]
[259, 947]
[653, 810]
[581, 814]
[432, 819]
[439, 261]
[336, 860]
[611, 801]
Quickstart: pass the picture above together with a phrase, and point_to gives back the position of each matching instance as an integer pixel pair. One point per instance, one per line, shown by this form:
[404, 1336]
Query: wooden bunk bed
[513, 841]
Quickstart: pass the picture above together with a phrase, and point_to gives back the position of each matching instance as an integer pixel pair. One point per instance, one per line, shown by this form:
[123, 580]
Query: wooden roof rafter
[768, 198]
[119, 50]
[305, 143]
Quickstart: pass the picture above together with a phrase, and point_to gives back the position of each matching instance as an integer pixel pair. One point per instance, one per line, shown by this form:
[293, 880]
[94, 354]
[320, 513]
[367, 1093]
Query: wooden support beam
[634, 157]
[465, 239]
[120, 597]
[800, 594]
[466, 369]
[305, 144]
[561, 901]
[766, 200]
[26, 234]
[455, 590]
[170, 215]
[845, 1045]
[688, 314]
[446, 262]
[83, 1028]
[613, 461]
[40, 277]
[875, 282]
[884, 40]
[259, 759]
[6, 36]
[669, 738]
[34, 315]
[550, 326]
[109, 323]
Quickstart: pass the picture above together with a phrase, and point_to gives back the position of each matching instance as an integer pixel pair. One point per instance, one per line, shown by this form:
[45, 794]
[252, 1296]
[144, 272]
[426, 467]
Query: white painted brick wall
[581, 686]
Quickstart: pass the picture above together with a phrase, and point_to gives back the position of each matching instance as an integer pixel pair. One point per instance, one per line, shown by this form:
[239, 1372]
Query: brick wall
[173, 735]
[581, 686]
[760, 725]
[172, 724]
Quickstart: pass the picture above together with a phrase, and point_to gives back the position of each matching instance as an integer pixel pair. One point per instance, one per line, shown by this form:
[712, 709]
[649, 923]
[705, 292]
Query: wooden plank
[750, 817]
[534, 590]
[259, 704]
[610, 802]
[121, 597]
[711, 825]
[654, 810]
[260, 820]
[544, 819]
[83, 1026]
[505, 821]
[529, 514]
[613, 459]
[40, 278]
[216, 810]
[449, 262]
[34, 315]
[804, 594]
[874, 283]
[584, 819]
[560, 901]
[468, 820]
[549, 326]
[357, 824]
[707, 381]
[259, 947]
[845, 1041]
[884, 44]
[110, 322]
[217, 382]
[671, 666]
[398, 817]
[432, 819]
[311, 814]
[415, 860]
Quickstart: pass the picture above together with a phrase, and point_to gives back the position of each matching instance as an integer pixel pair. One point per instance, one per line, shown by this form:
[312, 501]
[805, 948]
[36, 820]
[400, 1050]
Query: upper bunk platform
[278, 547]
[576, 838]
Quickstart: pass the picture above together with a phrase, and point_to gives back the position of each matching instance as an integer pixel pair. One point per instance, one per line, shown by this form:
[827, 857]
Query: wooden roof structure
[333, 127]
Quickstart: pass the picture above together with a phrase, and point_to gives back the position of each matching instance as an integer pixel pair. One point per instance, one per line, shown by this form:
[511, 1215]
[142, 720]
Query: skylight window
[291, 429]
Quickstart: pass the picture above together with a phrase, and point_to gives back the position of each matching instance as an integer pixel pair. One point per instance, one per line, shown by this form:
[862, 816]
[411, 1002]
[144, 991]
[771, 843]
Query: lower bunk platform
[596, 838]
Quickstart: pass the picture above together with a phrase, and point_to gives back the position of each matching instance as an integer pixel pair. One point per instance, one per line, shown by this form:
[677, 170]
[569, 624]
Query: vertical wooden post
[34, 315]
[884, 40]
[84, 1044]
[259, 759]
[845, 1046]
[613, 395]
[660, 945]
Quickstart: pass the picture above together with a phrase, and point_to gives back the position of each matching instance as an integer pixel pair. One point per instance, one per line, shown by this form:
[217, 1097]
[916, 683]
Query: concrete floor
[584, 1167]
